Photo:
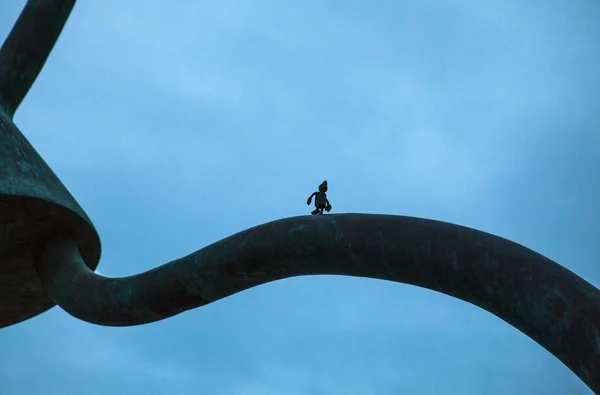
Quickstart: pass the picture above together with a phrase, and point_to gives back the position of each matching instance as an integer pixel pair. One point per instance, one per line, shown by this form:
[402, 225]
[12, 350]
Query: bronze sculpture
[49, 247]
[321, 201]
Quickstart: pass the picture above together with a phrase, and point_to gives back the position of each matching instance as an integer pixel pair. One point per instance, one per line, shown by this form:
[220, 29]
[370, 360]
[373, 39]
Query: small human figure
[321, 202]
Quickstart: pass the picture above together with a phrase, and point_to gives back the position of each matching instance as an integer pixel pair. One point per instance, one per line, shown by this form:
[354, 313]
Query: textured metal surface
[27, 47]
[550, 304]
[49, 247]
[34, 204]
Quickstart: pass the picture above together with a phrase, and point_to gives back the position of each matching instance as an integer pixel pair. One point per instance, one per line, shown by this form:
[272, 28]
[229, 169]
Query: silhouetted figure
[321, 202]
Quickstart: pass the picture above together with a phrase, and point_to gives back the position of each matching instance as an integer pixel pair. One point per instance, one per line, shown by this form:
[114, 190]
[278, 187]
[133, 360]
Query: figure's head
[323, 186]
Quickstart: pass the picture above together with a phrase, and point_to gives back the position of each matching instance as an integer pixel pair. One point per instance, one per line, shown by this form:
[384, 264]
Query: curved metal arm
[27, 47]
[547, 302]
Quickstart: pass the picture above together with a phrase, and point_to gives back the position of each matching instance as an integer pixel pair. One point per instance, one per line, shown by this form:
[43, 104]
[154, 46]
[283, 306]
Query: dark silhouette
[321, 202]
[49, 248]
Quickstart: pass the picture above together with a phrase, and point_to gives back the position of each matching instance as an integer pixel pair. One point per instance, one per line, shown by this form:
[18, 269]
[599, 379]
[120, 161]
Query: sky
[177, 125]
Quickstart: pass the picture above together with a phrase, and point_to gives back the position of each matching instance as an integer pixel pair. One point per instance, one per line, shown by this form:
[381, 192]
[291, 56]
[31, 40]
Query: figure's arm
[310, 198]
[328, 206]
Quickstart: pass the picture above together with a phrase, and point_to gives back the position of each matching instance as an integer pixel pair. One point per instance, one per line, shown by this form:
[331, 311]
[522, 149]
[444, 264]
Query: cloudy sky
[177, 125]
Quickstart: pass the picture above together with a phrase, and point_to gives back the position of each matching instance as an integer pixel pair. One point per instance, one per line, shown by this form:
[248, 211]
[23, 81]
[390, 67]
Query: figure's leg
[315, 211]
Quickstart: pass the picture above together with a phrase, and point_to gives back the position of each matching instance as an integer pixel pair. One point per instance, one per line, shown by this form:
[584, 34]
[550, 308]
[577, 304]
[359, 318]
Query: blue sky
[177, 125]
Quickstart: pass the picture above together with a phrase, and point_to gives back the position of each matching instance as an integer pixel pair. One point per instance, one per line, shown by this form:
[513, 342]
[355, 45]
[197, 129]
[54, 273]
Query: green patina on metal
[49, 247]
[34, 204]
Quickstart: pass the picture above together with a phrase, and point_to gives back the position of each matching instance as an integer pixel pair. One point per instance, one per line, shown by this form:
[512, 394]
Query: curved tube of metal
[33, 201]
[550, 304]
[27, 47]
[547, 302]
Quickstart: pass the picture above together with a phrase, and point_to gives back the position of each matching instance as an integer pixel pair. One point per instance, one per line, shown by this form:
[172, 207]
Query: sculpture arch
[545, 301]
[49, 247]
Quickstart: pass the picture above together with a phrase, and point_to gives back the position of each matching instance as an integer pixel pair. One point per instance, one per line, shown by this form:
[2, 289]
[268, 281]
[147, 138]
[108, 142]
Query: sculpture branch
[547, 302]
[27, 47]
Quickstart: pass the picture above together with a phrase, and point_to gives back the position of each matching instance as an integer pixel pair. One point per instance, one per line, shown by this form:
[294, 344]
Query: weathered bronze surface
[49, 248]
[33, 202]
